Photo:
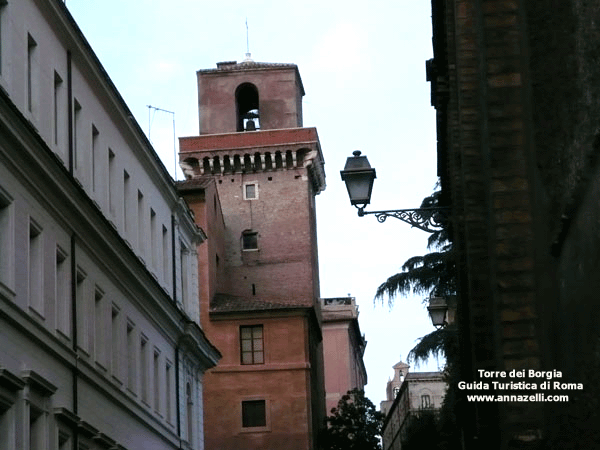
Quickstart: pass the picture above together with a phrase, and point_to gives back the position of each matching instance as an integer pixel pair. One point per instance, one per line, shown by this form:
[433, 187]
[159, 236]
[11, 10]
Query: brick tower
[251, 179]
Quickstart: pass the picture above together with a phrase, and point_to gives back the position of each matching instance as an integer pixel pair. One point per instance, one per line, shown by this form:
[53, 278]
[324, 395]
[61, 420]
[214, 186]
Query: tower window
[250, 191]
[248, 115]
[249, 240]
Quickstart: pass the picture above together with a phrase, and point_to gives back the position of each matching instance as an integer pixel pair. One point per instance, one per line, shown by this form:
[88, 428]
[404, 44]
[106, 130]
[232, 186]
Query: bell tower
[252, 175]
[249, 96]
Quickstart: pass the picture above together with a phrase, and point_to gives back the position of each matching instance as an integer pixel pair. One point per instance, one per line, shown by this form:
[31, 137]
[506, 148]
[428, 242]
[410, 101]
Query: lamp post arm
[426, 219]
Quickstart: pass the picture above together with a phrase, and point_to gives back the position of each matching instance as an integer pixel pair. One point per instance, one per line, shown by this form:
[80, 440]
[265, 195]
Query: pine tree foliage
[432, 274]
[427, 274]
[354, 425]
[433, 344]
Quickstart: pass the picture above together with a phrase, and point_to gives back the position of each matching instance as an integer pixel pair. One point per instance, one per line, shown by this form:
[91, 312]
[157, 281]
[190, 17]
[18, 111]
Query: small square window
[250, 240]
[254, 413]
[250, 191]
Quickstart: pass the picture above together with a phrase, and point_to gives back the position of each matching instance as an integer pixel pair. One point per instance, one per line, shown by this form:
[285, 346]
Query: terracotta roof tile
[231, 303]
[229, 66]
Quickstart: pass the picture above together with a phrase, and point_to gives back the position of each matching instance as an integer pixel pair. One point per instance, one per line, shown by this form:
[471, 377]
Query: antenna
[248, 55]
[247, 38]
[154, 108]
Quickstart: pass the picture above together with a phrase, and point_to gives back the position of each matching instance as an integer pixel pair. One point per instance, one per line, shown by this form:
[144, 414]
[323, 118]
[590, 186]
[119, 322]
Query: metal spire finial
[248, 54]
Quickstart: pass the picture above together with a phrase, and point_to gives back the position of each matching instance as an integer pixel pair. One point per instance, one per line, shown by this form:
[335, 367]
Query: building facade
[409, 395]
[343, 349]
[517, 115]
[101, 345]
[251, 179]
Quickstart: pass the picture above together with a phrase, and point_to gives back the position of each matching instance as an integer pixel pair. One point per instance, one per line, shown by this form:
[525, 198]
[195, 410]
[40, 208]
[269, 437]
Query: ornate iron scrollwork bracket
[426, 219]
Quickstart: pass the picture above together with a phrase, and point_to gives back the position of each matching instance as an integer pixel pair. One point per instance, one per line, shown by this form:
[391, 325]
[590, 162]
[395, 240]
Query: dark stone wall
[519, 165]
[564, 42]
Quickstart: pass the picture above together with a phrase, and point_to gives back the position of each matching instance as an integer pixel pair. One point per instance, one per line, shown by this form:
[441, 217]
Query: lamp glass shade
[359, 177]
[437, 311]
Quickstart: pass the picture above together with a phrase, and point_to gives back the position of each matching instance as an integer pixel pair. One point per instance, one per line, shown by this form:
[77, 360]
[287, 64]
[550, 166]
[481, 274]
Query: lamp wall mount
[426, 219]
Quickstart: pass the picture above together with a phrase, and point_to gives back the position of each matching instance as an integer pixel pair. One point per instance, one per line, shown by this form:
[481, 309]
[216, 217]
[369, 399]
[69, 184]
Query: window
[35, 268]
[144, 367]
[76, 133]
[10, 385]
[426, 401]
[250, 191]
[396, 391]
[81, 297]
[153, 239]
[64, 440]
[249, 240]
[165, 253]
[131, 357]
[99, 338]
[37, 428]
[6, 239]
[156, 362]
[254, 413]
[3, 4]
[59, 122]
[62, 286]
[183, 264]
[31, 71]
[168, 387]
[126, 194]
[95, 134]
[36, 409]
[141, 226]
[115, 341]
[189, 412]
[252, 344]
[111, 180]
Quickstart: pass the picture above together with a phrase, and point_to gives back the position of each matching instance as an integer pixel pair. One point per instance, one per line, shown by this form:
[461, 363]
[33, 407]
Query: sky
[363, 69]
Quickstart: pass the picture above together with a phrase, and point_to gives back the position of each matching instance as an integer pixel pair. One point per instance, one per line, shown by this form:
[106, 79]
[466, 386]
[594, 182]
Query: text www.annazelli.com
[539, 397]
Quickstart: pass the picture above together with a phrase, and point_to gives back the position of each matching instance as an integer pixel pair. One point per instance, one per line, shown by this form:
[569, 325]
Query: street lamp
[359, 177]
[438, 308]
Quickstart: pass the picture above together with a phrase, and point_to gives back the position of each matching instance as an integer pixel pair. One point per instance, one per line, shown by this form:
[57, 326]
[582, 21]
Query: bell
[250, 125]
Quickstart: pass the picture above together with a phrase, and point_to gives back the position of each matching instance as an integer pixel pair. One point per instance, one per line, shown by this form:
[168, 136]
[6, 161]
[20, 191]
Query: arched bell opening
[228, 164]
[247, 105]
[279, 161]
[190, 167]
[258, 163]
[217, 165]
[248, 167]
[269, 162]
[206, 165]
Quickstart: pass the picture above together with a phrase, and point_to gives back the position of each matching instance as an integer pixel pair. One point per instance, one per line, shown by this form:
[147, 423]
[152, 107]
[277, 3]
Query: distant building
[251, 178]
[408, 395]
[343, 349]
[393, 386]
[101, 345]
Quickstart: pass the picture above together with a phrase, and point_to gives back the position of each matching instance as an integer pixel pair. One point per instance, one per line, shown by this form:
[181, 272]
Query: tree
[427, 274]
[354, 425]
[432, 274]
